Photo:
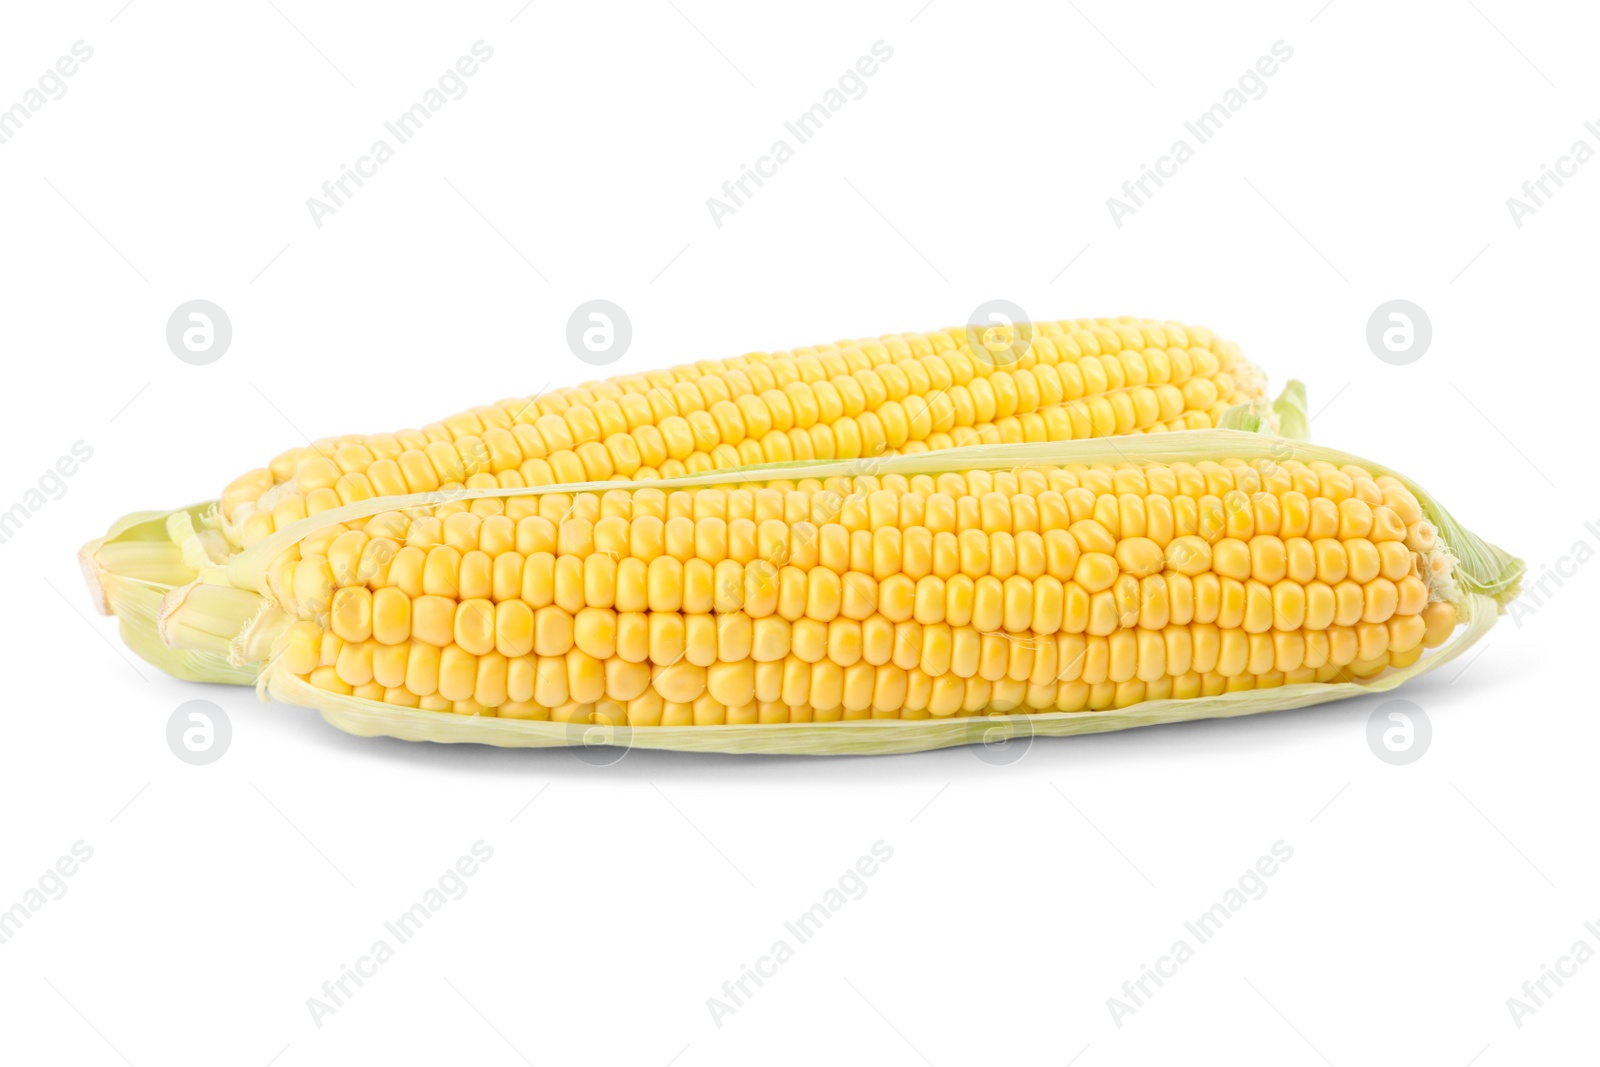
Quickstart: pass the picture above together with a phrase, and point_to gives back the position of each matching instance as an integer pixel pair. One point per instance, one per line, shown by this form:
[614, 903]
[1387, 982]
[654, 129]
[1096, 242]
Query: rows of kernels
[890, 693]
[846, 595]
[1091, 337]
[867, 398]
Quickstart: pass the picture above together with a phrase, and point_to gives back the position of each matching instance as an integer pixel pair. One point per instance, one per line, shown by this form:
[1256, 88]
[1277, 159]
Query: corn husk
[1486, 579]
[136, 600]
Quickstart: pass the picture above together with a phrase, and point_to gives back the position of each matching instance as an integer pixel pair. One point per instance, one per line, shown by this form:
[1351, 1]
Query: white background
[978, 164]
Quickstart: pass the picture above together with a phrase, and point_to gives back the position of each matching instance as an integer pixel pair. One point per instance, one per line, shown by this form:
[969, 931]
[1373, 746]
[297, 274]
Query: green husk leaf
[1481, 567]
[136, 602]
[1290, 407]
[1241, 417]
[1285, 416]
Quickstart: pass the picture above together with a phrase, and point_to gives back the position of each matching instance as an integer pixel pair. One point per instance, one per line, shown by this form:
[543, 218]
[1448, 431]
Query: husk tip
[95, 575]
[171, 604]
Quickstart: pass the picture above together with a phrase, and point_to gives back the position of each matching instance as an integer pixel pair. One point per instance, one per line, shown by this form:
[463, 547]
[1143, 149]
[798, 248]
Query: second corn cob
[897, 393]
[873, 397]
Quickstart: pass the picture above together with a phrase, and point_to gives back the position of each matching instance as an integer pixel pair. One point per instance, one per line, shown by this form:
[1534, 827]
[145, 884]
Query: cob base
[129, 572]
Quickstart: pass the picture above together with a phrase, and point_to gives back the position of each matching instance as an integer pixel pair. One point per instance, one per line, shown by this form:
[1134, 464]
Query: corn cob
[1187, 571]
[898, 393]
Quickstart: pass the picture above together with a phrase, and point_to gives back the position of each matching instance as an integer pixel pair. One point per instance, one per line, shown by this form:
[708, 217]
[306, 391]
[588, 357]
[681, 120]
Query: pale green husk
[136, 603]
[1487, 577]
